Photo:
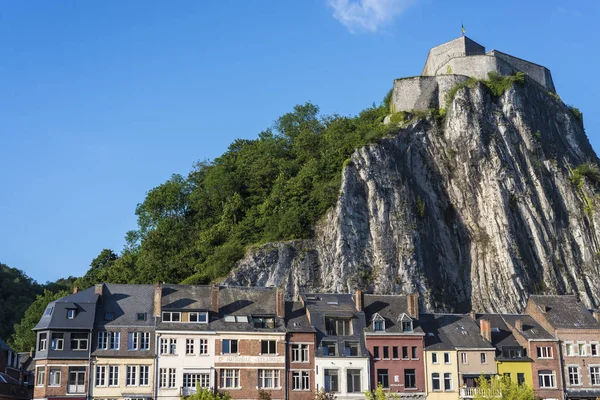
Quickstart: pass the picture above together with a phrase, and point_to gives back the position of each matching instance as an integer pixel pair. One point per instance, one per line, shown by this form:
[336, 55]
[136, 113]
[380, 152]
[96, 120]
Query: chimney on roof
[214, 305]
[413, 305]
[98, 289]
[157, 299]
[358, 298]
[485, 327]
[473, 315]
[75, 289]
[596, 315]
[519, 325]
[280, 303]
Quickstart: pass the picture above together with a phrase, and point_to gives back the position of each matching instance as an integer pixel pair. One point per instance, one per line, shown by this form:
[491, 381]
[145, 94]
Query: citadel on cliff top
[454, 62]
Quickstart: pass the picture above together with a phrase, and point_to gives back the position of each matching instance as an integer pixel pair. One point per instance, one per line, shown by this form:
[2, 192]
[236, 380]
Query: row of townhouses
[16, 376]
[139, 342]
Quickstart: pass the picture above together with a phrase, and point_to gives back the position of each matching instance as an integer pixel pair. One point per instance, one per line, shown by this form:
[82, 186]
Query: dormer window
[263, 322]
[48, 311]
[378, 323]
[200, 317]
[406, 323]
[71, 313]
[141, 316]
[338, 326]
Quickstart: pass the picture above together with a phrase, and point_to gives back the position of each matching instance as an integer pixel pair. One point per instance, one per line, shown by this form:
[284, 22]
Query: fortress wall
[478, 66]
[423, 92]
[440, 55]
[538, 73]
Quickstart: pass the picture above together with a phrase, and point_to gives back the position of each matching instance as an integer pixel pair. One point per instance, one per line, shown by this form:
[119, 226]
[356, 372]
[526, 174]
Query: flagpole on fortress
[462, 27]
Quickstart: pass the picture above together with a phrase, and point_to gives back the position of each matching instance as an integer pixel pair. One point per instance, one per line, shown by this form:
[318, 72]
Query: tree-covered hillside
[193, 229]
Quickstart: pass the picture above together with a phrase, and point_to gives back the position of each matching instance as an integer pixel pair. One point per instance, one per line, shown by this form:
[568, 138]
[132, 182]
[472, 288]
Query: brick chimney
[519, 325]
[75, 289]
[280, 303]
[157, 299]
[473, 315]
[358, 298]
[486, 329]
[214, 299]
[413, 305]
[98, 288]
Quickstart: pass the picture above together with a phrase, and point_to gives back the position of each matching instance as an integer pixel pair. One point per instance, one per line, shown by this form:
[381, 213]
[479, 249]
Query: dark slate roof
[233, 300]
[296, 318]
[26, 362]
[565, 311]
[85, 303]
[531, 329]
[4, 345]
[458, 329]
[126, 301]
[390, 308]
[501, 335]
[435, 338]
[186, 298]
[321, 305]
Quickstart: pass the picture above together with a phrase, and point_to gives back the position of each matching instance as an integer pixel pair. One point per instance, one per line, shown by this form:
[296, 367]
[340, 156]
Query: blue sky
[103, 100]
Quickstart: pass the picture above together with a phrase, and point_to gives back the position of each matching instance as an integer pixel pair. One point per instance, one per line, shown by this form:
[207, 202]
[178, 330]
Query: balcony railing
[76, 388]
[469, 392]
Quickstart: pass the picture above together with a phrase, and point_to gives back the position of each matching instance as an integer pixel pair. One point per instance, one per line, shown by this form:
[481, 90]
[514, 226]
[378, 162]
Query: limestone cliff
[475, 212]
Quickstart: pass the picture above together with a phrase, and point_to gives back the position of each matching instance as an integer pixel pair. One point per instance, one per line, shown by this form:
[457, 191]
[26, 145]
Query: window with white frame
[446, 358]
[569, 349]
[300, 380]
[193, 380]
[79, 341]
[114, 340]
[435, 381]
[108, 340]
[463, 358]
[353, 381]
[133, 340]
[132, 372]
[434, 358]
[299, 352]
[200, 317]
[113, 375]
[71, 312]
[54, 377]
[58, 341]
[102, 340]
[230, 346]
[168, 345]
[40, 376]
[594, 350]
[268, 378]
[43, 343]
[595, 375]
[268, 347]
[189, 346]
[166, 377]
[448, 381]
[544, 352]
[582, 349]
[144, 375]
[171, 317]
[483, 357]
[144, 340]
[172, 376]
[100, 375]
[331, 380]
[546, 379]
[230, 378]
[203, 346]
[573, 373]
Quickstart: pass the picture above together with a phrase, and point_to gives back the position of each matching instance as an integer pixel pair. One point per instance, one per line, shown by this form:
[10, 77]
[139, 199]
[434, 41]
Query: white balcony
[469, 392]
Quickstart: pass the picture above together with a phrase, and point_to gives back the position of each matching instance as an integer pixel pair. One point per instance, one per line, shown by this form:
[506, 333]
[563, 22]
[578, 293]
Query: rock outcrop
[473, 212]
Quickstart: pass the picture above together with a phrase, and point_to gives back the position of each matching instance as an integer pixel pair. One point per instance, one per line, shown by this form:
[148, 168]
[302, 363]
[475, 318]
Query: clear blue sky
[100, 101]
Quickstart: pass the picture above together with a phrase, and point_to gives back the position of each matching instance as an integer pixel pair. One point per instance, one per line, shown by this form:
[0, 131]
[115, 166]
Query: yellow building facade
[518, 371]
[122, 378]
[441, 373]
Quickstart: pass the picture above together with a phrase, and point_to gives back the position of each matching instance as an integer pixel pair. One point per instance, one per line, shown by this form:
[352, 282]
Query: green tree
[503, 387]
[380, 394]
[207, 394]
[17, 291]
[263, 395]
[98, 271]
[24, 338]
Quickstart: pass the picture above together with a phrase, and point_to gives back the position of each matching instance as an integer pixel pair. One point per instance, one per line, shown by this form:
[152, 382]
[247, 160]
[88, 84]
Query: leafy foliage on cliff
[272, 188]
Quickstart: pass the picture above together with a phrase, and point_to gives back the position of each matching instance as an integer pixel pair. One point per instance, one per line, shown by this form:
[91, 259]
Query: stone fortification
[454, 62]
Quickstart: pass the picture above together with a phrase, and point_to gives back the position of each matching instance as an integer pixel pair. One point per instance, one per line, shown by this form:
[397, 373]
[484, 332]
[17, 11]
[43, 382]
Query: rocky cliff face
[473, 213]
